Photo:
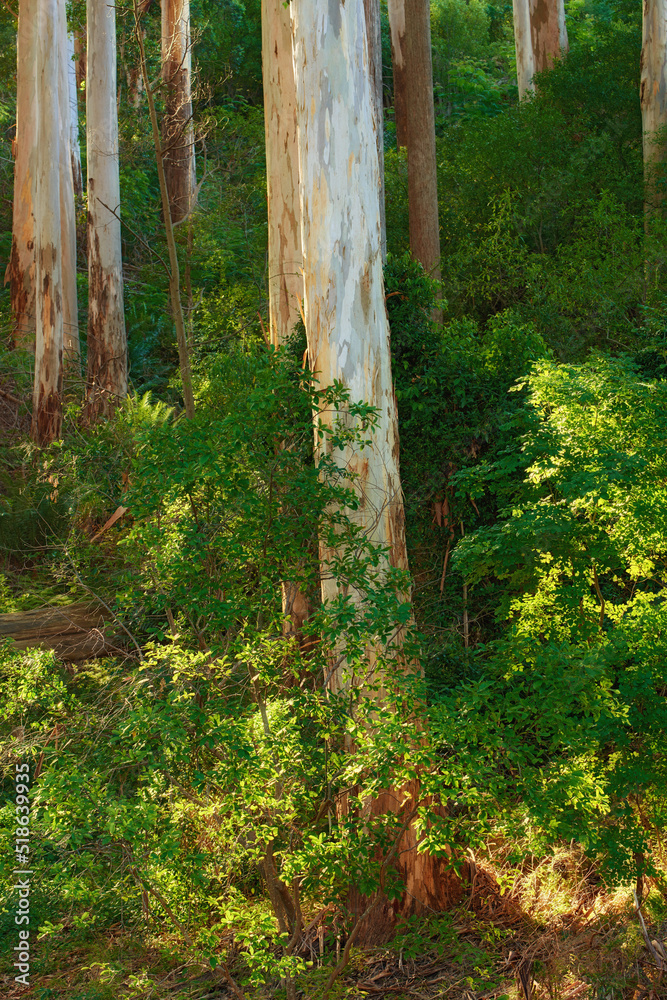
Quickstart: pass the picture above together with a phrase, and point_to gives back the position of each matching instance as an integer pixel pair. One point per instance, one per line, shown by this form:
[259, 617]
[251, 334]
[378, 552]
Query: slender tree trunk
[73, 90]
[422, 165]
[374, 36]
[540, 38]
[81, 59]
[107, 343]
[653, 96]
[178, 142]
[396, 10]
[67, 202]
[47, 395]
[21, 268]
[285, 258]
[173, 269]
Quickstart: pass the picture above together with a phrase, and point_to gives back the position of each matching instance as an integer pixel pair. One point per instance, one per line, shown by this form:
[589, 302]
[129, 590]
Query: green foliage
[569, 703]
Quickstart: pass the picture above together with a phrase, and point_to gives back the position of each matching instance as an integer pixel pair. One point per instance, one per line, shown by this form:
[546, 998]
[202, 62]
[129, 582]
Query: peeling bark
[653, 98]
[107, 343]
[20, 273]
[540, 38]
[422, 164]
[178, 141]
[347, 328]
[67, 203]
[346, 319]
[396, 11]
[47, 393]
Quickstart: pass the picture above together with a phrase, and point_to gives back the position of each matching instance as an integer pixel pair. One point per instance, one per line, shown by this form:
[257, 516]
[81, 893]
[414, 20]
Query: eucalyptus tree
[73, 92]
[422, 163]
[285, 258]
[344, 306]
[48, 384]
[107, 342]
[178, 143]
[540, 38]
[374, 36]
[414, 112]
[68, 159]
[653, 97]
[396, 12]
[20, 272]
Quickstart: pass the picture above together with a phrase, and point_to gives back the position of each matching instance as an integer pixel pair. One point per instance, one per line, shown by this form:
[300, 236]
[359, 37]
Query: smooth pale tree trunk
[346, 319]
[396, 11]
[67, 199]
[20, 272]
[107, 343]
[73, 90]
[422, 164]
[653, 96]
[374, 36]
[540, 38]
[47, 394]
[178, 142]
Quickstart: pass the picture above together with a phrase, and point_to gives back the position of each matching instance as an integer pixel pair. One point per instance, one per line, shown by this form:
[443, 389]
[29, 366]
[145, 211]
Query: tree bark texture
[396, 11]
[422, 164]
[73, 91]
[374, 36]
[81, 64]
[285, 259]
[20, 272]
[540, 38]
[346, 319]
[107, 343]
[347, 328]
[67, 200]
[653, 97]
[47, 393]
[178, 141]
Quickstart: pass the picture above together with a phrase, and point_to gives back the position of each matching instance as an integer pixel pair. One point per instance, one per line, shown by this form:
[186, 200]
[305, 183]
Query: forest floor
[554, 933]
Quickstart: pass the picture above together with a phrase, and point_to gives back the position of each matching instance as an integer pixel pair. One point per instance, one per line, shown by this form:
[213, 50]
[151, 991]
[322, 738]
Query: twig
[657, 958]
[234, 987]
[136, 236]
[12, 399]
[147, 887]
[444, 566]
[599, 593]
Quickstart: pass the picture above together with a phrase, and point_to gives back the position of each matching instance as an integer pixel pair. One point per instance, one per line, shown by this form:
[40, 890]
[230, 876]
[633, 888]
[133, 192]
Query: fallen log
[74, 632]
